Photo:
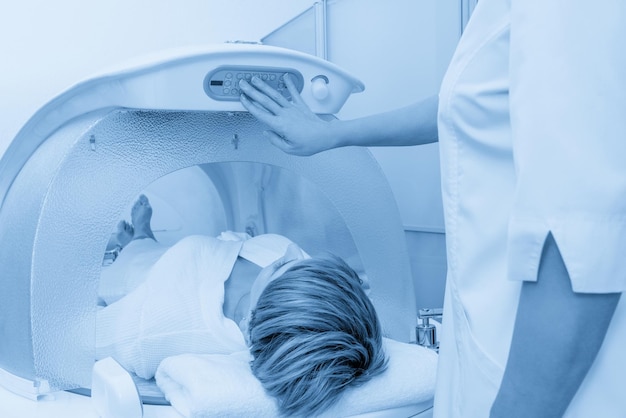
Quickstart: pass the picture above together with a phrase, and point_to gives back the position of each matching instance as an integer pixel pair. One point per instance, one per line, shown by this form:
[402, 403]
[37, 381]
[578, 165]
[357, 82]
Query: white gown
[178, 307]
[532, 133]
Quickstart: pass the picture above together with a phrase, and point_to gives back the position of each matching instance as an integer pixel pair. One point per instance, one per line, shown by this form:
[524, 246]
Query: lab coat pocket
[480, 375]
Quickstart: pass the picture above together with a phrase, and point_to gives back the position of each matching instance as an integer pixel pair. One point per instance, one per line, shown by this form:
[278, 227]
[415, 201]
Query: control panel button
[319, 87]
[218, 84]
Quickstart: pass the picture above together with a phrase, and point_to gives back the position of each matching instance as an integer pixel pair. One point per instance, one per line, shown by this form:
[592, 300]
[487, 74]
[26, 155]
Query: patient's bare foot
[125, 232]
[140, 215]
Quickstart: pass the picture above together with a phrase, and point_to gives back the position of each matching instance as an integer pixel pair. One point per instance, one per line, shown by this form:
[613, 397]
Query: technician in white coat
[532, 130]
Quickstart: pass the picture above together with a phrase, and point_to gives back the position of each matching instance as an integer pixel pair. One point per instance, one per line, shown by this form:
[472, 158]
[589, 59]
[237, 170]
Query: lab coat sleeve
[568, 119]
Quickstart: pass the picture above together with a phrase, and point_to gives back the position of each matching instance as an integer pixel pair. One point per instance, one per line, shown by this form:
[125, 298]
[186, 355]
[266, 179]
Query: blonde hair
[314, 332]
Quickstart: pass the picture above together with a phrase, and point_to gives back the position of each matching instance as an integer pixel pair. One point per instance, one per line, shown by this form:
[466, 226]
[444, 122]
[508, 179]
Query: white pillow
[216, 385]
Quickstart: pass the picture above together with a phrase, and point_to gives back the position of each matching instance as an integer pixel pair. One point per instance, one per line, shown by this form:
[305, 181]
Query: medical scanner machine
[173, 128]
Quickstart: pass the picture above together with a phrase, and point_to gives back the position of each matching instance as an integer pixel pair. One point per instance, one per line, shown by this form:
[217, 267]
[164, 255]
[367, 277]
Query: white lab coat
[532, 131]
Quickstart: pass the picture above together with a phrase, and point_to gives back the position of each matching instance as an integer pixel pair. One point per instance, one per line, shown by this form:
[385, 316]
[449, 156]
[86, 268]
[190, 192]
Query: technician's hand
[293, 127]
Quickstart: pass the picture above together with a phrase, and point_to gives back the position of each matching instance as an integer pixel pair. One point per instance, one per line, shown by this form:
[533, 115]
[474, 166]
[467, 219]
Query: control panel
[223, 82]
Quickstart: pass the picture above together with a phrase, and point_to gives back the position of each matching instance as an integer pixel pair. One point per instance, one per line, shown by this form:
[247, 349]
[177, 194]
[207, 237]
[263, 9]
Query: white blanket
[223, 385]
[177, 309]
[129, 269]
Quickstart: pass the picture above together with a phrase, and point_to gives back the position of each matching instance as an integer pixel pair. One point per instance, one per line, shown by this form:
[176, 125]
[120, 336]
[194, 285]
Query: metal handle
[425, 314]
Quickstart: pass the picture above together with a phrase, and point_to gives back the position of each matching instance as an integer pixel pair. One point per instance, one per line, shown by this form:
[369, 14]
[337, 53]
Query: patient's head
[314, 332]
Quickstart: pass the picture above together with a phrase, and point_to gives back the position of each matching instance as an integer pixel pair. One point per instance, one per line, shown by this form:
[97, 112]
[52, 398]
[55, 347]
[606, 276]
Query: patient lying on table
[311, 329]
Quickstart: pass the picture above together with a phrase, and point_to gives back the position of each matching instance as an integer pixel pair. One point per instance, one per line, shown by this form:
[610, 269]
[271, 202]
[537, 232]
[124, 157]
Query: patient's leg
[140, 215]
[131, 265]
[125, 232]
